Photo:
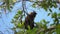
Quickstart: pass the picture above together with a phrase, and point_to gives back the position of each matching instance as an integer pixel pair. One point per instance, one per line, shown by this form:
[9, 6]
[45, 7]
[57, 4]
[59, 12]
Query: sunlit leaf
[14, 0]
[19, 12]
[20, 25]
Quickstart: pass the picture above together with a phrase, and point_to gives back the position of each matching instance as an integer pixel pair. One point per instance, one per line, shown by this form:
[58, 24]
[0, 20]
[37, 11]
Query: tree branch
[47, 30]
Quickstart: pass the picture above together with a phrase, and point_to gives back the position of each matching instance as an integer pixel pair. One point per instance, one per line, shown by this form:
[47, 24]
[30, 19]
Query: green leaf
[50, 10]
[54, 15]
[28, 27]
[20, 25]
[45, 7]
[16, 17]
[58, 14]
[42, 33]
[19, 12]
[55, 5]
[34, 5]
[48, 14]
[12, 21]
[44, 21]
[58, 29]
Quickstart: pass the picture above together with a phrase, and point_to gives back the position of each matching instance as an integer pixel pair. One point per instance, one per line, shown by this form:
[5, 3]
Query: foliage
[46, 4]
[7, 4]
[41, 27]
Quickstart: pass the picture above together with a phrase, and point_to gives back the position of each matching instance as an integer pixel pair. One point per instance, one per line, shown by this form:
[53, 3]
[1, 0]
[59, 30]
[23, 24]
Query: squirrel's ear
[34, 12]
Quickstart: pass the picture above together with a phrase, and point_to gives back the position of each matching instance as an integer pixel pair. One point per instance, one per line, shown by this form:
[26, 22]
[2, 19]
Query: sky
[5, 20]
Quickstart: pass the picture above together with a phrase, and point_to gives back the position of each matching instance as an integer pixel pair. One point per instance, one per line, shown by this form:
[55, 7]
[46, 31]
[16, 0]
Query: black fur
[29, 20]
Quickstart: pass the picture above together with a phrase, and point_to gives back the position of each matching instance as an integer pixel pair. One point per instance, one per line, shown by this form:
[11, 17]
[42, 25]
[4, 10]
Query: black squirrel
[29, 20]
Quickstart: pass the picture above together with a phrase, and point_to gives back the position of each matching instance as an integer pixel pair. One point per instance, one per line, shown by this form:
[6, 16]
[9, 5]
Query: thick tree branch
[50, 29]
[47, 30]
